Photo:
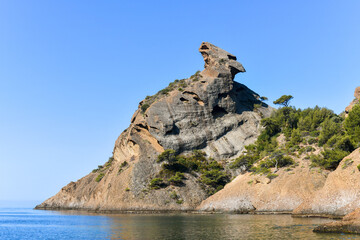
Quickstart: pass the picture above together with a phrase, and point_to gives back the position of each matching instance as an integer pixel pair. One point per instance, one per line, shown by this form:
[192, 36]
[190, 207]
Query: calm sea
[25, 223]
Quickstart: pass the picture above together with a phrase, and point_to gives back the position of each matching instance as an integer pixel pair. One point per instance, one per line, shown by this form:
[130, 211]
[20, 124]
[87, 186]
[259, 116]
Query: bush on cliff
[99, 177]
[177, 179]
[157, 183]
[210, 172]
[352, 125]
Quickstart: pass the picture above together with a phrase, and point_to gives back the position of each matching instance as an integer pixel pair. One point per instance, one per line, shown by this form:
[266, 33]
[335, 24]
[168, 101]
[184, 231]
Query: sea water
[26, 223]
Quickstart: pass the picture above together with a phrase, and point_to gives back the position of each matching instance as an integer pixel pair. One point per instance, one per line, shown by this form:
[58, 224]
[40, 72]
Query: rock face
[256, 193]
[340, 194]
[213, 113]
[354, 102]
[208, 111]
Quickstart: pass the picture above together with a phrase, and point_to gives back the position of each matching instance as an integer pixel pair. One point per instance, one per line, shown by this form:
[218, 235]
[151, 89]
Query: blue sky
[73, 72]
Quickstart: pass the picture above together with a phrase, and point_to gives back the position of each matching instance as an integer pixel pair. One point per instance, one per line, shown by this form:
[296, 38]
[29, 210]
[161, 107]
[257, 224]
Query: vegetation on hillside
[302, 130]
[209, 172]
[102, 169]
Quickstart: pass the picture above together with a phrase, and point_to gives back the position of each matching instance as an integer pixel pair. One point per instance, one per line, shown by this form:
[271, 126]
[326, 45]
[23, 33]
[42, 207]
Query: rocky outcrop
[303, 191]
[340, 194]
[349, 224]
[354, 102]
[208, 111]
[257, 193]
[212, 113]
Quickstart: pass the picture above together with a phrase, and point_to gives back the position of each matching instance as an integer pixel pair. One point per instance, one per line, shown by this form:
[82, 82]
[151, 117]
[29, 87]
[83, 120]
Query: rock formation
[354, 102]
[340, 194]
[349, 224]
[208, 111]
[303, 191]
[257, 193]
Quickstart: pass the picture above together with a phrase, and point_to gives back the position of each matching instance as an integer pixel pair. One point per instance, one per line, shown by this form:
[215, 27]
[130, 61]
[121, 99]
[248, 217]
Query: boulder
[349, 224]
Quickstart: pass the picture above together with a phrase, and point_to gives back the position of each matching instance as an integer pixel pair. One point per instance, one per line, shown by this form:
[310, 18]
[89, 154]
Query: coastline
[160, 211]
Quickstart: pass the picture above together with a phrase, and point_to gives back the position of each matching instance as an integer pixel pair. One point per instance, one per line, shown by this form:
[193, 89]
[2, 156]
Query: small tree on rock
[283, 100]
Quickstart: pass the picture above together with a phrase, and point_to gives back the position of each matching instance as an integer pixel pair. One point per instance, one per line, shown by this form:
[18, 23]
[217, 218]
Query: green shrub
[99, 177]
[358, 167]
[260, 170]
[283, 100]
[124, 164]
[109, 162]
[214, 178]
[316, 160]
[332, 158]
[347, 163]
[329, 160]
[245, 162]
[173, 195]
[157, 183]
[352, 124]
[213, 175]
[277, 159]
[257, 106]
[127, 189]
[177, 179]
[272, 176]
[196, 76]
[168, 155]
[309, 149]
[144, 107]
[312, 141]
[345, 144]
[295, 137]
[328, 129]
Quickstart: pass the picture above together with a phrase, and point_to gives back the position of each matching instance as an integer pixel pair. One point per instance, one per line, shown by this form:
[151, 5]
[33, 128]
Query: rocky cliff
[208, 111]
[311, 186]
[250, 192]
[353, 102]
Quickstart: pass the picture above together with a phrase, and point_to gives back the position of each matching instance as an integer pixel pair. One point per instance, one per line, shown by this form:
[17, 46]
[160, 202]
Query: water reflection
[217, 226]
[31, 224]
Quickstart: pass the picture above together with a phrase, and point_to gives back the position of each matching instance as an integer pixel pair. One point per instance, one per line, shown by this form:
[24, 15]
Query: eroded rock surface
[208, 111]
[340, 194]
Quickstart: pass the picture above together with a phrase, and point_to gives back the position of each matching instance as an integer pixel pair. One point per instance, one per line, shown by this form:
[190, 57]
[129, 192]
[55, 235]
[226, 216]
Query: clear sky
[73, 72]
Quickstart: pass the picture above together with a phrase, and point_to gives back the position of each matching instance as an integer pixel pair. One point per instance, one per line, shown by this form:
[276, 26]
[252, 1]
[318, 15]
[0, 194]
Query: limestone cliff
[208, 111]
